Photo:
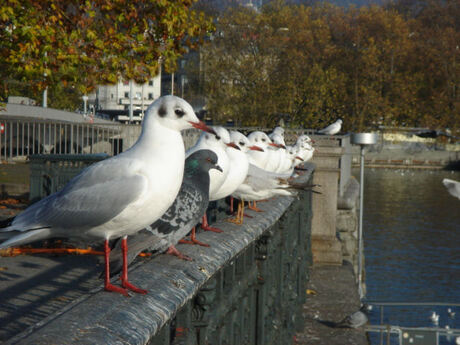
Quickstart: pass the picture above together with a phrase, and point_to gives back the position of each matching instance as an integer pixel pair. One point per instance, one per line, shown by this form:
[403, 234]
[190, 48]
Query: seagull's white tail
[24, 238]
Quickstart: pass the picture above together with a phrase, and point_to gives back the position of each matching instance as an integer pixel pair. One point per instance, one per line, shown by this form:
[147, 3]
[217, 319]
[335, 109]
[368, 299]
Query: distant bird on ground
[453, 187]
[332, 129]
[119, 196]
[434, 317]
[451, 313]
[355, 320]
[188, 207]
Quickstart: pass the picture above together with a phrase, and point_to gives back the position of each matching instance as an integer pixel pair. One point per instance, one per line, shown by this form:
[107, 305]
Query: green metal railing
[257, 297]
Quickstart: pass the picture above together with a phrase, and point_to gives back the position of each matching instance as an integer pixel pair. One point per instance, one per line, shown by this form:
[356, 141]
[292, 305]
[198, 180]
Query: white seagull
[332, 129]
[218, 144]
[277, 131]
[453, 187]
[260, 139]
[119, 196]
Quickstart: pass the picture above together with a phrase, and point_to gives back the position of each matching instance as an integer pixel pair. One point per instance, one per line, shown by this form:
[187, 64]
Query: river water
[412, 245]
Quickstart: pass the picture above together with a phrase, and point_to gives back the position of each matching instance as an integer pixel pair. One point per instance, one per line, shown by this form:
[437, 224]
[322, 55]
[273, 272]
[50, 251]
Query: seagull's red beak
[256, 148]
[201, 125]
[233, 145]
[299, 158]
[281, 146]
[312, 141]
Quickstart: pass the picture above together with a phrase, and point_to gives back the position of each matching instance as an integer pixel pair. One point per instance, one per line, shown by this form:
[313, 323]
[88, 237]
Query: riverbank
[333, 294]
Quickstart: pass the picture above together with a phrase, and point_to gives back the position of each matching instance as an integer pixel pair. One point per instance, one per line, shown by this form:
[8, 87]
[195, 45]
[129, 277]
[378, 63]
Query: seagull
[450, 313]
[260, 139]
[218, 144]
[239, 164]
[290, 159]
[181, 217]
[277, 131]
[355, 320]
[332, 129]
[453, 187]
[276, 153]
[118, 196]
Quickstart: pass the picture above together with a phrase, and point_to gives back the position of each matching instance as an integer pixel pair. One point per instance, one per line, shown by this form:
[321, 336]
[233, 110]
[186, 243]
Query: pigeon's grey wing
[185, 212]
[90, 199]
[453, 187]
[137, 243]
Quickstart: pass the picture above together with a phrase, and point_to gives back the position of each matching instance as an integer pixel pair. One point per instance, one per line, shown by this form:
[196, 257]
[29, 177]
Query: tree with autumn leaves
[369, 66]
[77, 45]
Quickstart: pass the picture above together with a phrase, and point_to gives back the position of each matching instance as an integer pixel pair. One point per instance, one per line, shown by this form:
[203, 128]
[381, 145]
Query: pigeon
[355, 320]
[118, 196]
[188, 207]
[453, 187]
[332, 129]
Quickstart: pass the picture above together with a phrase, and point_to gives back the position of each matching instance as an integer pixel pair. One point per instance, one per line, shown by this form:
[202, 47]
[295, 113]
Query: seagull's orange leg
[193, 239]
[124, 274]
[239, 214]
[108, 286]
[254, 207]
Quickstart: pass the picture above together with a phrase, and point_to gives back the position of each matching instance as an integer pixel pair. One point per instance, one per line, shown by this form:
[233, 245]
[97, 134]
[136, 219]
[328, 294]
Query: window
[111, 95]
[151, 82]
[150, 95]
[126, 94]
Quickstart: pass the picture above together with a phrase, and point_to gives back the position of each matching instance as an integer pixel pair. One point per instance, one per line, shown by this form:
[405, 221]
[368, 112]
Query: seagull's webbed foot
[112, 288]
[205, 226]
[127, 285]
[173, 251]
[193, 239]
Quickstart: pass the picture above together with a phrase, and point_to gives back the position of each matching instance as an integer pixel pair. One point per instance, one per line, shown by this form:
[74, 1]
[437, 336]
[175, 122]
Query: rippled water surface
[412, 244]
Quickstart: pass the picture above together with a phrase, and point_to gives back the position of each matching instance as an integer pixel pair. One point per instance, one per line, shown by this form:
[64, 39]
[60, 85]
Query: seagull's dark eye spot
[206, 136]
[217, 137]
[241, 143]
[179, 112]
[263, 139]
[162, 111]
[256, 140]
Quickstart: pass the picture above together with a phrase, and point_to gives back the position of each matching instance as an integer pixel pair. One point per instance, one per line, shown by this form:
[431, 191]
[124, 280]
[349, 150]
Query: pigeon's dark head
[202, 161]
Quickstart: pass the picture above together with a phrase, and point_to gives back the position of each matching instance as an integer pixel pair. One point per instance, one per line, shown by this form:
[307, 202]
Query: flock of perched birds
[156, 192]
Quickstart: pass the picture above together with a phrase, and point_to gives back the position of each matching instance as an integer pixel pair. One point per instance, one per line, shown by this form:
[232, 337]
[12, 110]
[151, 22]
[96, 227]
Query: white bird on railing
[451, 313]
[453, 187]
[332, 129]
[119, 196]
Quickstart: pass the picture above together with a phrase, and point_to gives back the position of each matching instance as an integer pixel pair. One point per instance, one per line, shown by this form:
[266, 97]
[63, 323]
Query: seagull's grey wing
[185, 212]
[90, 199]
[327, 129]
[453, 187]
[260, 179]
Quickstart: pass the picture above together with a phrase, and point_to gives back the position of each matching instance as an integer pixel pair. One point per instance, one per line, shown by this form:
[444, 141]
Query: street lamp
[363, 140]
[85, 99]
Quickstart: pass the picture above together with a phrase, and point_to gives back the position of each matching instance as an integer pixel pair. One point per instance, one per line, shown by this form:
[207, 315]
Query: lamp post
[85, 99]
[363, 140]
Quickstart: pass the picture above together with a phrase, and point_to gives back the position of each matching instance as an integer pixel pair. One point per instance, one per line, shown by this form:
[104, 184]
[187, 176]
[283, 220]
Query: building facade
[117, 97]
